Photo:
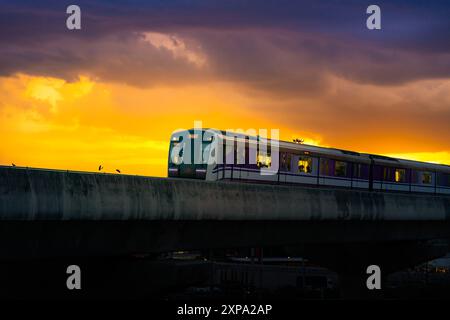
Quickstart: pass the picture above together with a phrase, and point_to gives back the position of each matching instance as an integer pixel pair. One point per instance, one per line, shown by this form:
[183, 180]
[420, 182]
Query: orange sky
[49, 122]
[112, 92]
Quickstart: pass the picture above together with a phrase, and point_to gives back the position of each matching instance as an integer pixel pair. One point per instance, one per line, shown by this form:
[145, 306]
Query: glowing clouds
[53, 90]
[45, 89]
[177, 46]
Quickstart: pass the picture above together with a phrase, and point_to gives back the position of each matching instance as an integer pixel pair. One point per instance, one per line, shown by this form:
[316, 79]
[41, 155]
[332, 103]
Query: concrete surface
[49, 213]
[33, 194]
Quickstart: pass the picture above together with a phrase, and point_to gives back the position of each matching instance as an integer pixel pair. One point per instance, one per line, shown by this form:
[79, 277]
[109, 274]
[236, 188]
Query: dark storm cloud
[278, 46]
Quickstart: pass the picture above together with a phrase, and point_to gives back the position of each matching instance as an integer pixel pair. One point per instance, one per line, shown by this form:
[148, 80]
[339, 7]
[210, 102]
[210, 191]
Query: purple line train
[300, 164]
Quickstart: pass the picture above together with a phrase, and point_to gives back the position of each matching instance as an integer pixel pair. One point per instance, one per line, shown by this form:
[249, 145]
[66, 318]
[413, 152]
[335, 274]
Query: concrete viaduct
[51, 213]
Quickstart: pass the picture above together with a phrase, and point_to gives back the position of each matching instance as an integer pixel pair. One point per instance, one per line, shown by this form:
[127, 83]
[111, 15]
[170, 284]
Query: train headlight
[177, 139]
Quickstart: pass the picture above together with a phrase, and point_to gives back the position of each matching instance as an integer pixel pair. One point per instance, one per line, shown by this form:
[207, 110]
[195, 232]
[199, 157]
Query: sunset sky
[113, 92]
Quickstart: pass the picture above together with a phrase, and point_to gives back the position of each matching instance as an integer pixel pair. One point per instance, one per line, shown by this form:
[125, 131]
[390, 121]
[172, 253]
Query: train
[298, 164]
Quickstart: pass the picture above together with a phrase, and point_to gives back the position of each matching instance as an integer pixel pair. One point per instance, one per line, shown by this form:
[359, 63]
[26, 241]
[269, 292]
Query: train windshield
[188, 155]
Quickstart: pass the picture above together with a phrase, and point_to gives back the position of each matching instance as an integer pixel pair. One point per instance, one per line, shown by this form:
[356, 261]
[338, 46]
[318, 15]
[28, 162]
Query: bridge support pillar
[351, 261]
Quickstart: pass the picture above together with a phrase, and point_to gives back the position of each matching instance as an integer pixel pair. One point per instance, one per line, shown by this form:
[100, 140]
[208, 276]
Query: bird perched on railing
[12, 164]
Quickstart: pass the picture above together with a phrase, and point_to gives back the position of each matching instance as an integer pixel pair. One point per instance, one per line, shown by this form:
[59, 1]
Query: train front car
[188, 154]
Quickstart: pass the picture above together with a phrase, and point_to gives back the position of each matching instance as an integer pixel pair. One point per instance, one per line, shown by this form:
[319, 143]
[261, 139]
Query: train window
[414, 176]
[177, 155]
[263, 160]
[176, 159]
[377, 172]
[325, 166]
[286, 161]
[356, 170]
[360, 171]
[400, 175]
[240, 153]
[426, 177]
[305, 164]
[205, 154]
[386, 174]
[340, 169]
[444, 179]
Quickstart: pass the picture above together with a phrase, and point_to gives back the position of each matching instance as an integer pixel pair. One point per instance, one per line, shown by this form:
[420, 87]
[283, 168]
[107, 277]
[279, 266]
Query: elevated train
[301, 164]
